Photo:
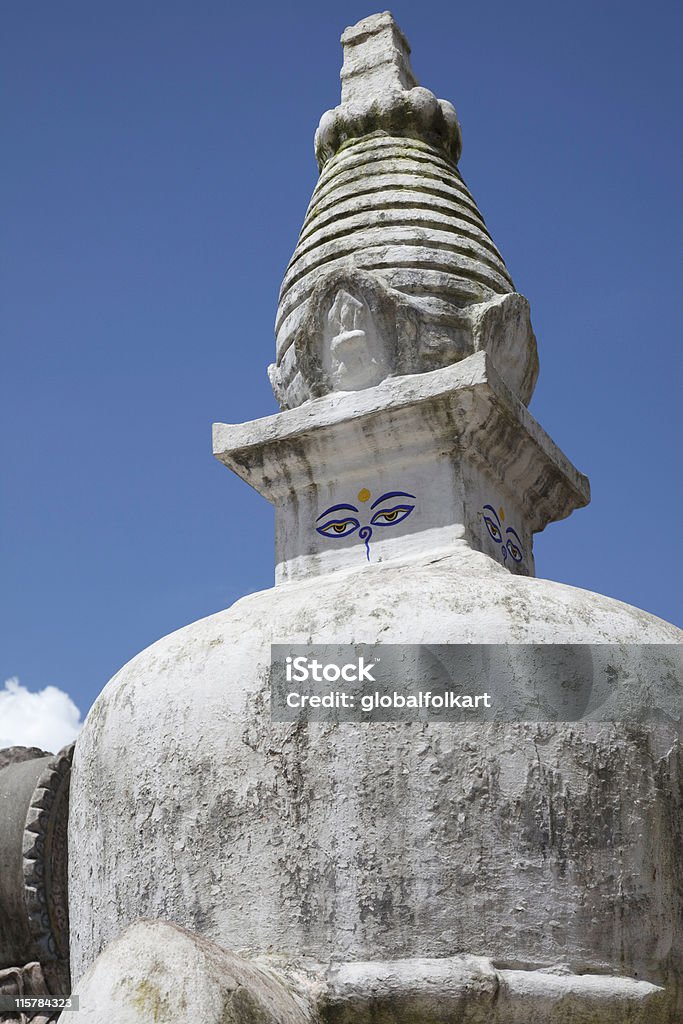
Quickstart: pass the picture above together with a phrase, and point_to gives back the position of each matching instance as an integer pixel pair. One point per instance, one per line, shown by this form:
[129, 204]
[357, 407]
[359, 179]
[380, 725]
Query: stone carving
[45, 866]
[352, 355]
[347, 341]
[34, 794]
[391, 204]
[24, 981]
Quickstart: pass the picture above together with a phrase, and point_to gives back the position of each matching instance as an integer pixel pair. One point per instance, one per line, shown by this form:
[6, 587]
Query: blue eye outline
[327, 529]
[404, 509]
[336, 508]
[391, 494]
[493, 528]
[515, 552]
[347, 526]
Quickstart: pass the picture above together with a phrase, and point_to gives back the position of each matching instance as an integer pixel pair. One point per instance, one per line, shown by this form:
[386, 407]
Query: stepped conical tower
[392, 223]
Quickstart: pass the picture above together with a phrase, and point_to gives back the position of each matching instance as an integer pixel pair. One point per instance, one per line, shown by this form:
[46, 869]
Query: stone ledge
[465, 408]
[472, 990]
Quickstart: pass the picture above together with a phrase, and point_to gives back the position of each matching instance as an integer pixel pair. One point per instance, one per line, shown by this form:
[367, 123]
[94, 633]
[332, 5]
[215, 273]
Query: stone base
[159, 971]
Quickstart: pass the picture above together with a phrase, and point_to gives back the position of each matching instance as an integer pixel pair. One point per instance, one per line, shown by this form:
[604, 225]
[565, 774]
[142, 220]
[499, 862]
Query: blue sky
[157, 166]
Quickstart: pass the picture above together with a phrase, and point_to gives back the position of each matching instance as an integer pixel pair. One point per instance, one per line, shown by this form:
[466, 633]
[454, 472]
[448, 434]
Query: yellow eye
[514, 551]
[493, 529]
[390, 516]
[338, 527]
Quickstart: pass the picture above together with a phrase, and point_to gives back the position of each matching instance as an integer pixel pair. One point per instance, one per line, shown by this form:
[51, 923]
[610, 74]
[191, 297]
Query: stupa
[225, 866]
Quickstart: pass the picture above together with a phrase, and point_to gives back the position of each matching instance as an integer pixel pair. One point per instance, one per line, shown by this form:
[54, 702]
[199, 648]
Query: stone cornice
[465, 409]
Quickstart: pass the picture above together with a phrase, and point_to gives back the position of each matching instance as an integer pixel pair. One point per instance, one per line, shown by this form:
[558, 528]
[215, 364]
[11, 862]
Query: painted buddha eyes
[385, 515]
[493, 529]
[391, 516]
[510, 542]
[338, 527]
[514, 551]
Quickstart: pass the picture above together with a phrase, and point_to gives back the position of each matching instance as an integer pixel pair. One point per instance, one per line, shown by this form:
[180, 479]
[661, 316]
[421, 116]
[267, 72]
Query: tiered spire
[392, 226]
[404, 355]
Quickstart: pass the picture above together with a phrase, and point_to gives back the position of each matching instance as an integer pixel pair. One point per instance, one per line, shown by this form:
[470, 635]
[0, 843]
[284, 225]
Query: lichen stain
[150, 1003]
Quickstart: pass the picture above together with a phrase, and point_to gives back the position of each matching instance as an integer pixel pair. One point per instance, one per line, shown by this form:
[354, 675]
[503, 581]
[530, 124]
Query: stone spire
[393, 234]
[381, 93]
[376, 59]
[405, 358]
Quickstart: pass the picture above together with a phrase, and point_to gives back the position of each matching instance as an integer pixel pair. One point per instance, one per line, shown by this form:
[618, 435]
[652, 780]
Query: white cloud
[48, 719]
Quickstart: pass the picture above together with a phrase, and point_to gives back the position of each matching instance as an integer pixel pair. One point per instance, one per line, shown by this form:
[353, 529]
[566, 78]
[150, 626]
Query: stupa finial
[381, 94]
[376, 59]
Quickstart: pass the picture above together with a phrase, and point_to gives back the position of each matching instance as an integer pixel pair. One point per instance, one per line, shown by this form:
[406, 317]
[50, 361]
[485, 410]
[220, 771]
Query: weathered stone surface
[24, 981]
[530, 844]
[15, 755]
[376, 59]
[34, 924]
[471, 990]
[159, 972]
[17, 785]
[455, 439]
[392, 226]
[502, 328]
[544, 997]
[380, 93]
[463, 988]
